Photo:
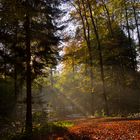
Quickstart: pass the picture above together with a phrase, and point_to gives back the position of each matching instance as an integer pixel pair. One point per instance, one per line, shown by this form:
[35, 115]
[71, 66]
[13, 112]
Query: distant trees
[107, 31]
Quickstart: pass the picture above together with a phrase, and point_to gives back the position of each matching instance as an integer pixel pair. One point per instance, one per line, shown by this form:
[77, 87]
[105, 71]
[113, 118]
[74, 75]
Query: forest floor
[100, 129]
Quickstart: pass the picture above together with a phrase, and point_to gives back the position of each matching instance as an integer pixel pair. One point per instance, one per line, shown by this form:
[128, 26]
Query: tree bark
[15, 63]
[28, 76]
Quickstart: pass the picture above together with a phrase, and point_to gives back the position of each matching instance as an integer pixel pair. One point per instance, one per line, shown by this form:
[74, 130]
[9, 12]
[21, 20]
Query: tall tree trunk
[86, 61]
[5, 69]
[86, 30]
[136, 21]
[28, 76]
[129, 37]
[15, 63]
[73, 62]
[89, 47]
[51, 78]
[108, 18]
[15, 80]
[100, 57]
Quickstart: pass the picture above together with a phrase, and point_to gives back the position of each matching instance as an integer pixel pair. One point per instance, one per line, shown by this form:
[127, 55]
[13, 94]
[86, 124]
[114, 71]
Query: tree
[34, 34]
[81, 9]
[45, 11]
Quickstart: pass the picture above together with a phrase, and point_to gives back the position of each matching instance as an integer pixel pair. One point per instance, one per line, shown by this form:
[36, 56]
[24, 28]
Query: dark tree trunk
[15, 80]
[28, 77]
[5, 69]
[15, 63]
[133, 61]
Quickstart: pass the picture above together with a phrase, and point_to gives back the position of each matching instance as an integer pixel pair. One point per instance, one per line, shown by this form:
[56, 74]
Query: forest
[69, 69]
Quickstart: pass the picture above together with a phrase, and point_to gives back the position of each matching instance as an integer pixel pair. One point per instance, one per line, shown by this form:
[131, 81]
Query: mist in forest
[68, 95]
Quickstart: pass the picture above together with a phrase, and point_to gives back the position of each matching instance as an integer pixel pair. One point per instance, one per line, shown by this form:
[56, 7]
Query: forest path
[103, 129]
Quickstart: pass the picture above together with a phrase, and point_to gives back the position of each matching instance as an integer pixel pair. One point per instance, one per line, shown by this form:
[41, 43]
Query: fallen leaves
[99, 129]
[106, 130]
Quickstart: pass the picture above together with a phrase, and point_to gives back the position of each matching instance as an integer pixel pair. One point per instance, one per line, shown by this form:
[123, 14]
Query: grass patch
[63, 124]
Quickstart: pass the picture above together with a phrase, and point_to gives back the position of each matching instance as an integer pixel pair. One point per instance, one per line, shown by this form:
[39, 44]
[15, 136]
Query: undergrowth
[44, 130]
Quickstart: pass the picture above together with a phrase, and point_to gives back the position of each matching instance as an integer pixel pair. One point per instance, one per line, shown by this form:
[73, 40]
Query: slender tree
[133, 3]
[81, 8]
[100, 55]
[129, 37]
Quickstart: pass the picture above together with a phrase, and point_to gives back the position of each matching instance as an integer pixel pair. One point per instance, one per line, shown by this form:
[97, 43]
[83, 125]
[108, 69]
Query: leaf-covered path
[103, 129]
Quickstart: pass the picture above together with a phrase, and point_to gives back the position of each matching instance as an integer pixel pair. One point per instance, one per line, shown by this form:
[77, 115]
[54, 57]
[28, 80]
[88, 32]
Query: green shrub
[46, 129]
